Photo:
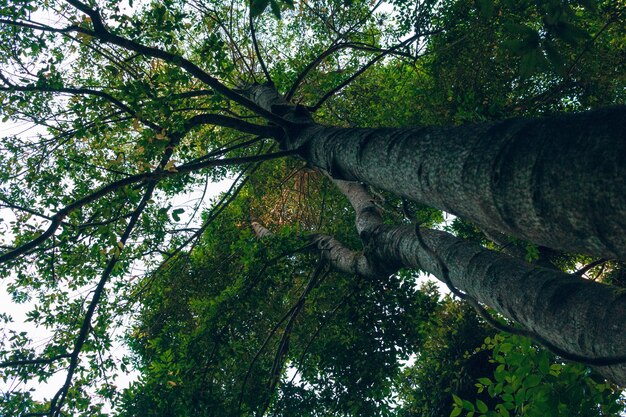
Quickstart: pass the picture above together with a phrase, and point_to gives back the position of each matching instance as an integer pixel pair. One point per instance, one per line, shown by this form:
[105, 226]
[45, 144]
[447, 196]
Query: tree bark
[577, 316]
[558, 182]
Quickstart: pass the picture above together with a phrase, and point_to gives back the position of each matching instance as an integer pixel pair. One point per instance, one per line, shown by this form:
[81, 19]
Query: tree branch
[100, 32]
[234, 123]
[492, 321]
[59, 398]
[332, 49]
[39, 361]
[361, 71]
[83, 91]
[255, 43]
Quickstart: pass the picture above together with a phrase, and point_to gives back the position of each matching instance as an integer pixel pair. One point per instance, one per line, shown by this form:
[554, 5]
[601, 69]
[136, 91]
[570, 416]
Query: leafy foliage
[217, 322]
[529, 382]
[114, 109]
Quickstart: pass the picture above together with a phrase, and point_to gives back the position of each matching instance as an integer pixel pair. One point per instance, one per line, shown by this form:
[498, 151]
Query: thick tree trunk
[558, 182]
[577, 316]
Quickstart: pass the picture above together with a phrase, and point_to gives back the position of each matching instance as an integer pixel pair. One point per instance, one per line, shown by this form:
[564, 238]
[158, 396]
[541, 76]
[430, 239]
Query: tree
[137, 105]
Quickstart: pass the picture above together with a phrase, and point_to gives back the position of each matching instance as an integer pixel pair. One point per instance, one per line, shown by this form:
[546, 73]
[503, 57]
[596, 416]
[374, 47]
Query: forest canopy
[358, 146]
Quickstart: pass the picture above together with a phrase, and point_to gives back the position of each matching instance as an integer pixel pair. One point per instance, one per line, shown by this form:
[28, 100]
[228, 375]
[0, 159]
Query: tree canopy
[346, 131]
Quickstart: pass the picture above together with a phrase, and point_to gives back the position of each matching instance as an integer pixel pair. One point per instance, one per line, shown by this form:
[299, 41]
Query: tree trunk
[558, 182]
[577, 316]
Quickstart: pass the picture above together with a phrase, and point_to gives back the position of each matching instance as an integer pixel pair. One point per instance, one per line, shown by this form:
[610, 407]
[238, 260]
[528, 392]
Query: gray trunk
[558, 182]
[577, 316]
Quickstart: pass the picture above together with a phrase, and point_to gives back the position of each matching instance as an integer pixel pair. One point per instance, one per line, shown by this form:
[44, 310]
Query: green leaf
[457, 400]
[258, 6]
[506, 347]
[523, 30]
[485, 381]
[531, 63]
[486, 7]
[518, 46]
[570, 33]
[554, 57]
[502, 411]
[590, 5]
[468, 405]
[176, 214]
[482, 407]
[275, 8]
[532, 381]
[455, 411]
[544, 364]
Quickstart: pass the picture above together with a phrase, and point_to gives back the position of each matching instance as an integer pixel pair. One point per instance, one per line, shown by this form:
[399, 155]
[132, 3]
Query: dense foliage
[120, 116]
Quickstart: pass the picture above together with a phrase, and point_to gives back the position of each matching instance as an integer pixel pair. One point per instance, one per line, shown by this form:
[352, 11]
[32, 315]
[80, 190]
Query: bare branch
[255, 43]
[39, 361]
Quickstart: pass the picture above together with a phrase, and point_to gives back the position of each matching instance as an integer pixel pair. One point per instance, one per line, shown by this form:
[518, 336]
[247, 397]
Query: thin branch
[9, 205]
[317, 276]
[255, 43]
[83, 91]
[56, 220]
[229, 196]
[361, 71]
[225, 149]
[587, 267]
[182, 169]
[325, 321]
[39, 26]
[332, 49]
[39, 361]
[291, 313]
[233, 123]
[191, 94]
[100, 32]
[261, 349]
[59, 398]
[544, 97]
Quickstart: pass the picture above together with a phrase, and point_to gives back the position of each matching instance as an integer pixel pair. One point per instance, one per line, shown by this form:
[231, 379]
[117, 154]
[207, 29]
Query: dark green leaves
[176, 214]
[530, 382]
[486, 7]
[258, 6]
